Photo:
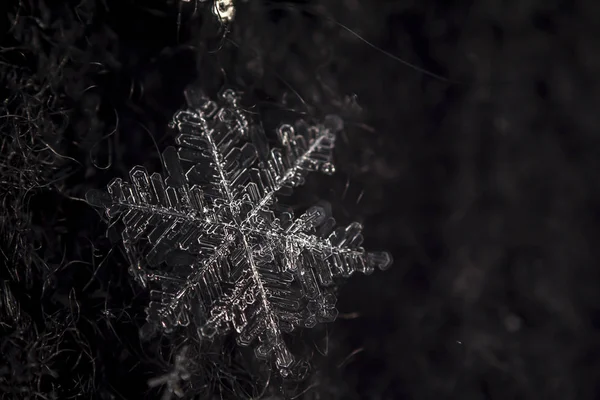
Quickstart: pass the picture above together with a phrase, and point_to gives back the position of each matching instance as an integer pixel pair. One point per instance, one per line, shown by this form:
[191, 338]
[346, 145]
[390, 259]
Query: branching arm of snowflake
[173, 378]
[214, 245]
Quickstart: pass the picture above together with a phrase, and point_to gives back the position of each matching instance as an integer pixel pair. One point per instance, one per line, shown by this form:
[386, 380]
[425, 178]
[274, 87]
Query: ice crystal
[213, 244]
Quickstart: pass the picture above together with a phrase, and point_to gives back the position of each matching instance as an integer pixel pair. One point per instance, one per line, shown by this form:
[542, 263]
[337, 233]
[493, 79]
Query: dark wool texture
[471, 152]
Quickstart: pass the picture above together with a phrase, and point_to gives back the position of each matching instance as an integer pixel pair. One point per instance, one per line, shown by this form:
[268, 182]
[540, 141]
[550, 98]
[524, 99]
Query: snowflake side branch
[291, 172]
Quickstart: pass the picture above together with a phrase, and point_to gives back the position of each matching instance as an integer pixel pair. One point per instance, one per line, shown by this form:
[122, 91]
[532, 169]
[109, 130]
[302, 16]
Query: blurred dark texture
[480, 175]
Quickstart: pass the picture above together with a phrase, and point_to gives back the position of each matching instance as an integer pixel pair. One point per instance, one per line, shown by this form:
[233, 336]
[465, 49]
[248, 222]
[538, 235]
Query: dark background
[475, 167]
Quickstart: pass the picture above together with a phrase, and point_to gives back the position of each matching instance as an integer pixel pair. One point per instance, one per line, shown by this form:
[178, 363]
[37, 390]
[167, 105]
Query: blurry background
[479, 175]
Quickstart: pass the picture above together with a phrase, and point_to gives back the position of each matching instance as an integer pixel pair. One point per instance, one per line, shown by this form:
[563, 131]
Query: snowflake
[213, 243]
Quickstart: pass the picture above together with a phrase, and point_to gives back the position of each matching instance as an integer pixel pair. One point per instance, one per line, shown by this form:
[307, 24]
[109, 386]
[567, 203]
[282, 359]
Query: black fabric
[470, 152]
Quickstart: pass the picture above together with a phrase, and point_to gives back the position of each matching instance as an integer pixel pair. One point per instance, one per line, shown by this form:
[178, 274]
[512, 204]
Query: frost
[213, 244]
